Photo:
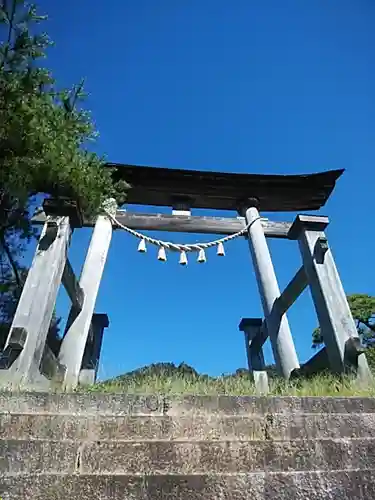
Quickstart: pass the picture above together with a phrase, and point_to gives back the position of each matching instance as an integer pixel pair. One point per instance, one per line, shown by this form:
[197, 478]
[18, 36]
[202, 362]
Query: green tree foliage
[44, 140]
[363, 311]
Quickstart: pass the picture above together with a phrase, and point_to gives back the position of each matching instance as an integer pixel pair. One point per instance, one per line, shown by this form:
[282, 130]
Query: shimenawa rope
[179, 247]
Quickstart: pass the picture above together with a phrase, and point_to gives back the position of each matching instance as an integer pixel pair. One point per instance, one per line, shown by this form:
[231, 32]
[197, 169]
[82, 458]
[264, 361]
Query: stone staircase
[123, 447]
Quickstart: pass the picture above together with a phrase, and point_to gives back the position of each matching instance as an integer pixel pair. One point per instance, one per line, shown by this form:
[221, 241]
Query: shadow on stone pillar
[91, 357]
[254, 338]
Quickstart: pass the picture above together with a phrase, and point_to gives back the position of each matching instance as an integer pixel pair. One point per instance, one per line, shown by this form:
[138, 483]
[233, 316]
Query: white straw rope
[180, 247]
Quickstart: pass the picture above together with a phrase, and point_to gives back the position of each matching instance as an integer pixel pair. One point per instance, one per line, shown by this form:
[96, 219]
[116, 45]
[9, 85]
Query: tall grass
[320, 385]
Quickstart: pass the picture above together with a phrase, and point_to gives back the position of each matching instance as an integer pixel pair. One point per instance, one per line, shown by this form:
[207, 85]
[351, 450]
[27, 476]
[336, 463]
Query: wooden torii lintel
[185, 223]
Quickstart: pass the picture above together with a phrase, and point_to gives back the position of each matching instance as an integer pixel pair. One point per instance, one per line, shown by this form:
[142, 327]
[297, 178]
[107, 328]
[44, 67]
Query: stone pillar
[74, 342]
[91, 357]
[252, 328]
[277, 326]
[28, 333]
[336, 322]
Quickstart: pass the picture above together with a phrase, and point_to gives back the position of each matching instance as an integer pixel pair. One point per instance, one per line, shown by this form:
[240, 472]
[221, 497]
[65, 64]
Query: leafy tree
[44, 139]
[362, 307]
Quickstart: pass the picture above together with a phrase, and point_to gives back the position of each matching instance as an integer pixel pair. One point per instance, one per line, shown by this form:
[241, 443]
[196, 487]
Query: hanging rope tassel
[110, 212]
[183, 258]
[162, 255]
[142, 246]
[220, 250]
[201, 256]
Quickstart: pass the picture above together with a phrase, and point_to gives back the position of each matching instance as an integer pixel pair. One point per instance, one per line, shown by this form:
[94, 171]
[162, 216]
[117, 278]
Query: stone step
[127, 404]
[82, 404]
[320, 485]
[182, 457]
[278, 426]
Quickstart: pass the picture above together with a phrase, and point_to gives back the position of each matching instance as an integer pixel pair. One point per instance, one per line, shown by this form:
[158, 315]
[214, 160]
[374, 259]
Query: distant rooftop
[224, 191]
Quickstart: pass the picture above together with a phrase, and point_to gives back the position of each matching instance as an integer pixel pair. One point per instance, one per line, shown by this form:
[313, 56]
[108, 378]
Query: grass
[166, 378]
[241, 385]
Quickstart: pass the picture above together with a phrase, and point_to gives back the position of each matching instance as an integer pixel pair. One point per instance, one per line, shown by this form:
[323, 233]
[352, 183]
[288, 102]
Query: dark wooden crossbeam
[225, 191]
[72, 287]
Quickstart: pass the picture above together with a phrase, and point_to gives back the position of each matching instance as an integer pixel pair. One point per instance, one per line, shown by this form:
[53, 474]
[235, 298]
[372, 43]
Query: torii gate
[27, 361]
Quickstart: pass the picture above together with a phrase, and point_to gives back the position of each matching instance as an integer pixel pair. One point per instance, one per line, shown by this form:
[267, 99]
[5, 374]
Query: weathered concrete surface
[123, 447]
[340, 485]
[127, 404]
[37, 457]
[240, 405]
[277, 426]
[76, 403]
[174, 457]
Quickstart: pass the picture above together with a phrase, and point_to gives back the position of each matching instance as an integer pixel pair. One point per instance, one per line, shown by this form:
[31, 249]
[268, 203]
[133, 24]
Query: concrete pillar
[336, 322]
[91, 357]
[252, 328]
[30, 325]
[277, 326]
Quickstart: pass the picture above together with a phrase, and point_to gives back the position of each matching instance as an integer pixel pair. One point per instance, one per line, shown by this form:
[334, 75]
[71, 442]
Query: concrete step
[127, 404]
[320, 485]
[133, 447]
[182, 457]
[85, 403]
[277, 426]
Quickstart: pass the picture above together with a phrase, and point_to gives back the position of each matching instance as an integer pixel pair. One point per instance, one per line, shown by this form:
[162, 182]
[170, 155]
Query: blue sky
[258, 86]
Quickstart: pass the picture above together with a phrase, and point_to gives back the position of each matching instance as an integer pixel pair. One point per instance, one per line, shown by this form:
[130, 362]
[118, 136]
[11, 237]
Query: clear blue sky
[264, 86]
